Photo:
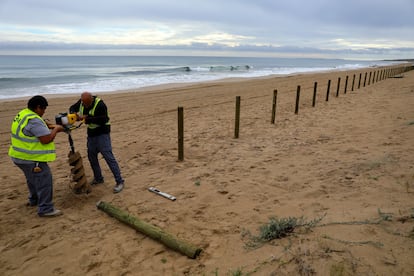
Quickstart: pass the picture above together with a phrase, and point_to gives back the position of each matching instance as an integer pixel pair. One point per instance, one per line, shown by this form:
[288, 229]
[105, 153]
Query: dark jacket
[100, 117]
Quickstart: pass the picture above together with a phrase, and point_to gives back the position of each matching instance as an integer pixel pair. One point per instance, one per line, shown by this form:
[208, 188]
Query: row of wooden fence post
[328, 90]
[380, 75]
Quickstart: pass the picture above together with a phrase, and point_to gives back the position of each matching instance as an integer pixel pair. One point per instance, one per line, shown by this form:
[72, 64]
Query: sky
[351, 29]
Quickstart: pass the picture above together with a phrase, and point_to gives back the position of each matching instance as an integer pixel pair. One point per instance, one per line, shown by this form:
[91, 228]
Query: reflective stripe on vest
[92, 113]
[29, 147]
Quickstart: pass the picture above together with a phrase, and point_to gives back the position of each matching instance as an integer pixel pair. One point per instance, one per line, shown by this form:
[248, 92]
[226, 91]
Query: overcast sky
[361, 29]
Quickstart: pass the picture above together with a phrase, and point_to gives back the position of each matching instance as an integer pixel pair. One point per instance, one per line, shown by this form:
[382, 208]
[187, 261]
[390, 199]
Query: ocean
[22, 76]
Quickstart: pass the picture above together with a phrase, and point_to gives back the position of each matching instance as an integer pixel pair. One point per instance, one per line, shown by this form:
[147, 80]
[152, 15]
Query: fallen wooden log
[150, 230]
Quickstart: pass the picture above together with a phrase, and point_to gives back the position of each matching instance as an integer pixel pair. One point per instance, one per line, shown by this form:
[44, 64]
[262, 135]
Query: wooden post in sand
[180, 133]
[337, 88]
[359, 82]
[237, 119]
[327, 90]
[297, 100]
[314, 94]
[365, 79]
[353, 82]
[346, 84]
[274, 106]
[373, 77]
[151, 231]
[369, 79]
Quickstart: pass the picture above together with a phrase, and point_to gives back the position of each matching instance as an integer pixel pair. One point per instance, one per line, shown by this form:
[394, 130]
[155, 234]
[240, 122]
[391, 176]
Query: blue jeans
[40, 186]
[102, 144]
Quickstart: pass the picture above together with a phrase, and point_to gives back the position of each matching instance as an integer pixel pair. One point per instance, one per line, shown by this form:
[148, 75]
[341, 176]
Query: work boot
[118, 187]
[53, 213]
[96, 182]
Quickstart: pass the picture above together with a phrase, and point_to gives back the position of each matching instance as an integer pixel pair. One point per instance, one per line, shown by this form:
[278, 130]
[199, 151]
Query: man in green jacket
[31, 148]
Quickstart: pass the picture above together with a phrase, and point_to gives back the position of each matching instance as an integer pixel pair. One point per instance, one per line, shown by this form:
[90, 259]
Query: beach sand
[347, 162]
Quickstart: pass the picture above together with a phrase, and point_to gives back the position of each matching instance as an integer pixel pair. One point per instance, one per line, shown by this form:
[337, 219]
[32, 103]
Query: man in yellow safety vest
[31, 148]
[94, 112]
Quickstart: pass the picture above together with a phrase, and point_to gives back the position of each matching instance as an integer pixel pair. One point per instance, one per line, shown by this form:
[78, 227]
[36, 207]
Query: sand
[347, 162]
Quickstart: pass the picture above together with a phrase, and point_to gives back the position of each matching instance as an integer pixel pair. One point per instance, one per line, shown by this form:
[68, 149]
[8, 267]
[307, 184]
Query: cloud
[200, 48]
[327, 25]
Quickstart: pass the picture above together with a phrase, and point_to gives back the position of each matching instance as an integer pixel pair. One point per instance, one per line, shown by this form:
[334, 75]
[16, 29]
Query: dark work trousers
[40, 186]
[102, 144]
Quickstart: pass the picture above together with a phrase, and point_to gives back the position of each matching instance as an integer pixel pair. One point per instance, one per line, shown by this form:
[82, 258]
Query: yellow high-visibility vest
[92, 113]
[29, 147]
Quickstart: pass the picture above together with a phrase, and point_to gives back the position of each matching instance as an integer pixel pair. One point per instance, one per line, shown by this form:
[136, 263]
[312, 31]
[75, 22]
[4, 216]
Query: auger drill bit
[77, 172]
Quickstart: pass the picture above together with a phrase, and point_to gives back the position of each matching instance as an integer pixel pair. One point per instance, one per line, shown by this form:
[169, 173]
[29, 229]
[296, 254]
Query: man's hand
[51, 126]
[59, 128]
[80, 117]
